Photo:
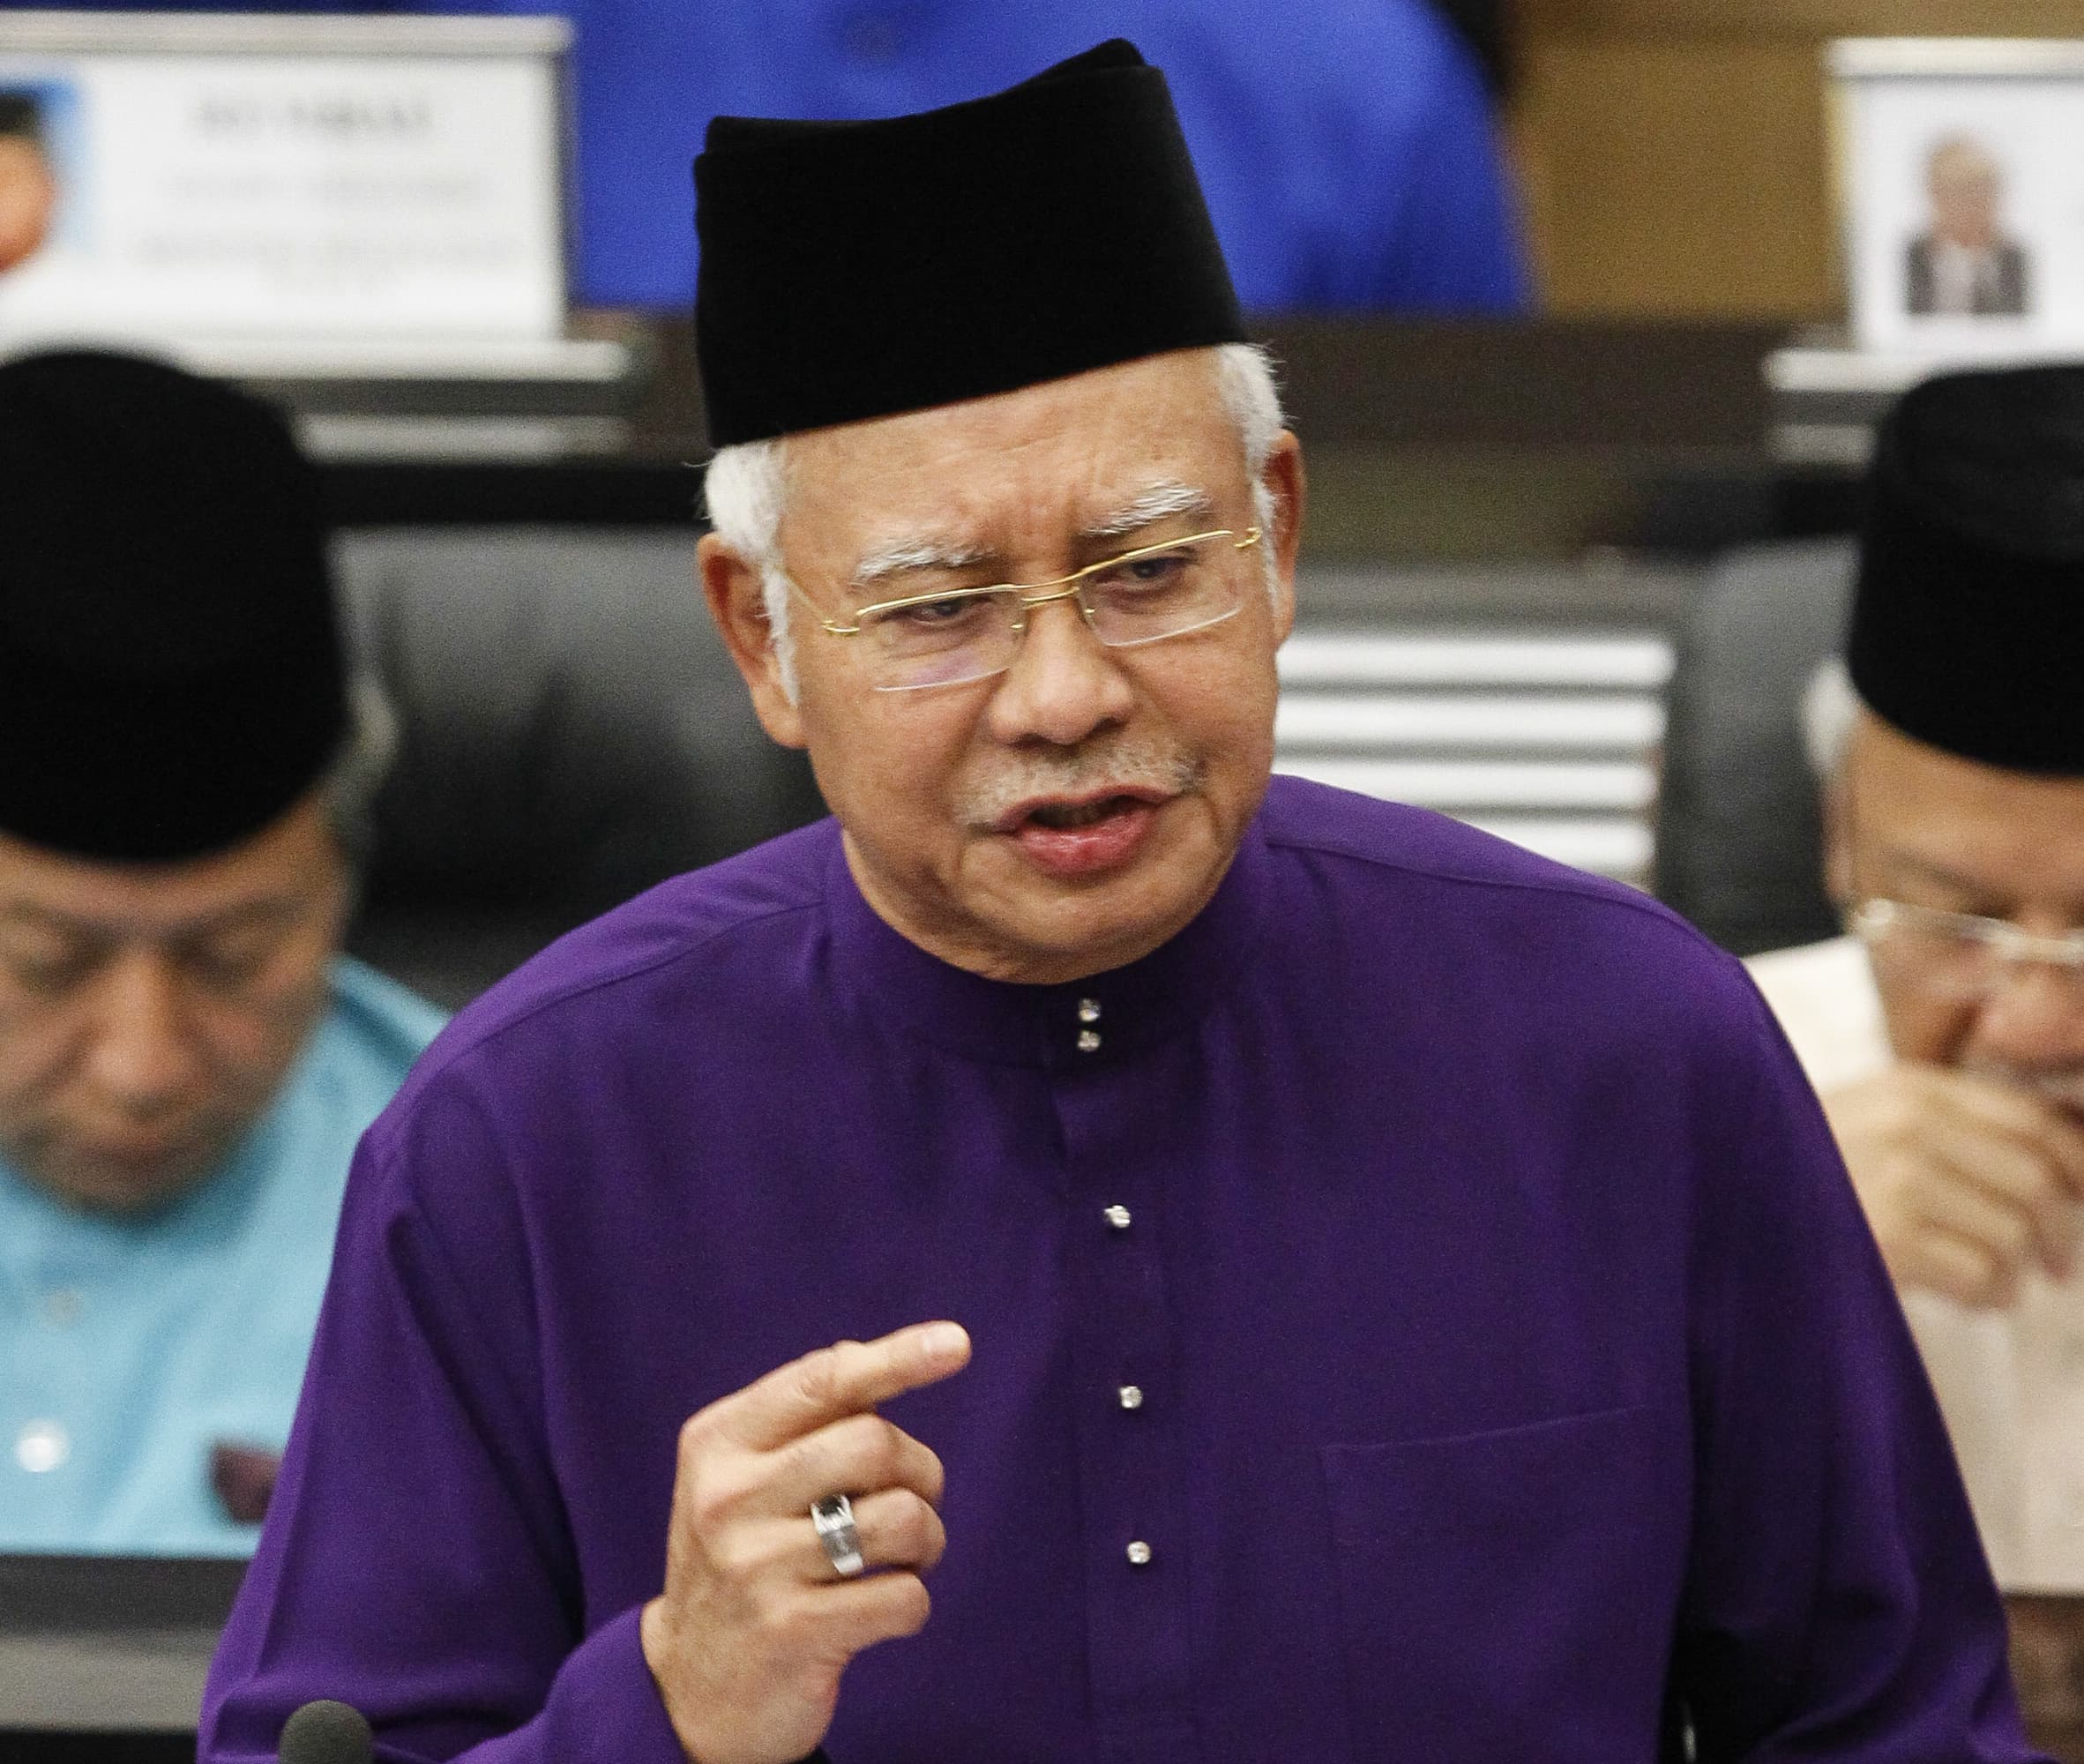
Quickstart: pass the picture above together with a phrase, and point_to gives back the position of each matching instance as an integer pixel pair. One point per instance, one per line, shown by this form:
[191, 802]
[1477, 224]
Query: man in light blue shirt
[185, 1059]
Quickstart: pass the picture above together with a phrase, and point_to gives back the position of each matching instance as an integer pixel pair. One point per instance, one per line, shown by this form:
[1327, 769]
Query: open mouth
[1068, 839]
[1064, 816]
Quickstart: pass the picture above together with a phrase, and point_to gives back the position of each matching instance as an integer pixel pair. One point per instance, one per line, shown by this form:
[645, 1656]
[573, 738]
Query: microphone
[326, 1732]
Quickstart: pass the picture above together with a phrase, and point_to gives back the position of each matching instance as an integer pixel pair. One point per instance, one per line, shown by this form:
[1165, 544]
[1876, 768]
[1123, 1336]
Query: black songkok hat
[1968, 625]
[852, 270]
[171, 677]
[20, 114]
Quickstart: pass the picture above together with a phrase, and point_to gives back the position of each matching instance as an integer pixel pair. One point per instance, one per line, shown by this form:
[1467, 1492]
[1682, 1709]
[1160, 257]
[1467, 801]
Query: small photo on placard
[207, 177]
[1965, 264]
[39, 145]
[1964, 193]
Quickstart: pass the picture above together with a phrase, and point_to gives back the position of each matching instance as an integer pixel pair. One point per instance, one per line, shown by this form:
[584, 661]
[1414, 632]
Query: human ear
[737, 603]
[1287, 486]
[1837, 841]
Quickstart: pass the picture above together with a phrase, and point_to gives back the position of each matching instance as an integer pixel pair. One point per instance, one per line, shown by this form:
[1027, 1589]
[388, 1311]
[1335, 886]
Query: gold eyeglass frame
[1873, 918]
[1041, 594]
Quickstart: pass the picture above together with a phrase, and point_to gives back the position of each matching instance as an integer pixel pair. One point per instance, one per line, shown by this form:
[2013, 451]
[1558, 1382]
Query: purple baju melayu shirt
[1514, 1360]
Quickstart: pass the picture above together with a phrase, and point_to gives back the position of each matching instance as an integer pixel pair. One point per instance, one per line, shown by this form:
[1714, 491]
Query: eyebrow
[273, 910]
[907, 557]
[1986, 898]
[1916, 866]
[1160, 501]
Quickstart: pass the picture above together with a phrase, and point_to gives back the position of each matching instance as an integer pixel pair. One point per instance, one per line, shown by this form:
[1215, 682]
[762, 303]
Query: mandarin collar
[893, 982]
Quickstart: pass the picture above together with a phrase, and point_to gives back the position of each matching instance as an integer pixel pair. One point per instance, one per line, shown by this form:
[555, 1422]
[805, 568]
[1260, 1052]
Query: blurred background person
[1946, 1032]
[185, 1059]
[27, 189]
[1350, 150]
[1963, 265]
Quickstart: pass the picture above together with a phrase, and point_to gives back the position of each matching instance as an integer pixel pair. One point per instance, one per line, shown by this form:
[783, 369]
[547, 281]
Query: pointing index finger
[848, 1377]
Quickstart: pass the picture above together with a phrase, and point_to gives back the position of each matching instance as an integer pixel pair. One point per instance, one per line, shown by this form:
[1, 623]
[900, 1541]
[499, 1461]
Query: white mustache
[1121, 765]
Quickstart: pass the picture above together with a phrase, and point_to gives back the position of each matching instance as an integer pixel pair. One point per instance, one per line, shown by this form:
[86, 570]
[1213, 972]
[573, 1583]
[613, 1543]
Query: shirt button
[1118, 1217]
[1139, 1554]
[1131, 1395]
[1088, 1041]
[42, 1445]
[1088, 1010]
[62, 1305]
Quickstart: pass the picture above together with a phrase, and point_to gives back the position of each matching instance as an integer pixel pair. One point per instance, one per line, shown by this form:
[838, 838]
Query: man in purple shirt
[1309, 1281]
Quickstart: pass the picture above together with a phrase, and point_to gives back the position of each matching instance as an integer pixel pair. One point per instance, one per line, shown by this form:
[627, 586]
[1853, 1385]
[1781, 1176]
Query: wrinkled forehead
[285, 863]
[2014, 833]
[1097, 455]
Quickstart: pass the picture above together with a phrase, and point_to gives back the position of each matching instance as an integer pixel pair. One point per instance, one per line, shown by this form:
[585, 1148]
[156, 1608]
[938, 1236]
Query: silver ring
[833, 1517]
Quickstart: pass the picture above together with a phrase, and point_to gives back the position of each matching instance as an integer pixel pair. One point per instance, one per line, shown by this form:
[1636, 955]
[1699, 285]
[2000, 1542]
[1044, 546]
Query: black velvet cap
[20, 116]
[853, 270]
[1967, 623]
[171, 675]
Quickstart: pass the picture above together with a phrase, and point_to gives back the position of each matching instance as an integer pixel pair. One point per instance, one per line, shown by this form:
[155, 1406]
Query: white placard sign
[316, 178]
[1962, 178]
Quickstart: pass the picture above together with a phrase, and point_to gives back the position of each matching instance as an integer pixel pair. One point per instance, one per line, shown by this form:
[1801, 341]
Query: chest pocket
[1511, 1594]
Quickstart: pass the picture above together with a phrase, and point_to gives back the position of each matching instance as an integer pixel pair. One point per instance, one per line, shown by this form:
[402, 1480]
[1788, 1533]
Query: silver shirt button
[1088, 1010]
[1118, 1217]
[1130, 1396]
[1088, 1041]
[1139, 1554]
[42, 1445]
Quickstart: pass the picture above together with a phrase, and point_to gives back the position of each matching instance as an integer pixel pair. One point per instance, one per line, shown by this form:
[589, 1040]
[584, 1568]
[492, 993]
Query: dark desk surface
[1427, 439]
[105, 1645]
[103, 1659]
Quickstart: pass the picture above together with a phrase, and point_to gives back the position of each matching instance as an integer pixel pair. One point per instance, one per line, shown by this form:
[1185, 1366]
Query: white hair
[744, 490]
[1830, 709]
[747, 486]
[358, 768]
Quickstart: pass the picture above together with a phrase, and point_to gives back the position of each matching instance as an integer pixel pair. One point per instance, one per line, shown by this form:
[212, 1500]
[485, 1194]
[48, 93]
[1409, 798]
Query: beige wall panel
[1679, 180]
[1673, 152]
[1812, 18]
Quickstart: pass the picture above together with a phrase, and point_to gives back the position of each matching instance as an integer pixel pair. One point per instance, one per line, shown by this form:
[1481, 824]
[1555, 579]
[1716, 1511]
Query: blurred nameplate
[1963, 194]
[253, 177]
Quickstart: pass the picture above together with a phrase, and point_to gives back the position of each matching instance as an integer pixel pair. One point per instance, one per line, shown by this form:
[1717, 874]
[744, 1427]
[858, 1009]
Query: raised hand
[756, 1625]
[1966, 1181]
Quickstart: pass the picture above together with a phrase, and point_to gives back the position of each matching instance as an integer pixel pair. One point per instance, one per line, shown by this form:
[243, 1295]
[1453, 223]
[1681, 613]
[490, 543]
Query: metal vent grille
[1546, 738]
